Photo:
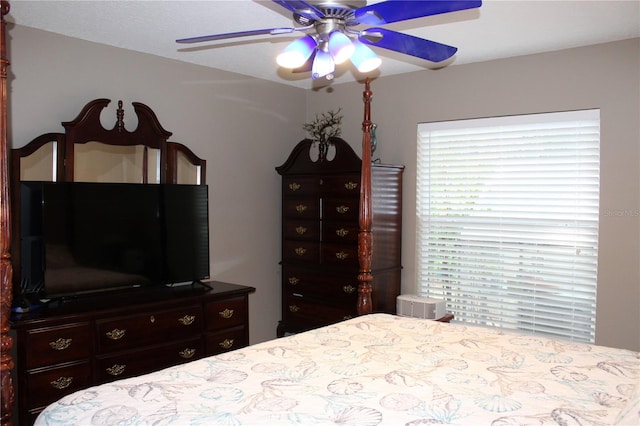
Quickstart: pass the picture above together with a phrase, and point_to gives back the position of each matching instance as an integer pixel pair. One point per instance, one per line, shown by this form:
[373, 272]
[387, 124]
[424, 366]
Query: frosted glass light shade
[297, 53]
[364, 58]
[340, 47]
[323, 65]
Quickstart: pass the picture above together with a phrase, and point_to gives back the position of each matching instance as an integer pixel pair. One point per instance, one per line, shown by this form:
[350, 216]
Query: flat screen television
[78, 237]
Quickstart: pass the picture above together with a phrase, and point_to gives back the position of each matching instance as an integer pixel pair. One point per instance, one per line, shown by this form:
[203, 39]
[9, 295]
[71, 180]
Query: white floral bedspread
[377, 370]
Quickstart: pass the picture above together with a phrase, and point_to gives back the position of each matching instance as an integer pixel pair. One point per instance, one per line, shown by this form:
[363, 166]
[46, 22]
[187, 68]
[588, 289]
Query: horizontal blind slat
[507, 218]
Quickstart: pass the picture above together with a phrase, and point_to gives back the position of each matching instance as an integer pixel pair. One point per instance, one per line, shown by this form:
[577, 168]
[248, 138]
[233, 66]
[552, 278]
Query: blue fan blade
[272, 31]
[397, 10]
[408, 44]
[302, 8]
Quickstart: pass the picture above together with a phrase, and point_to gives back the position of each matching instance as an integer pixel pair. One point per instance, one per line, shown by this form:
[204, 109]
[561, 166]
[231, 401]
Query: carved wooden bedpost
[6, 270]
[364, 236]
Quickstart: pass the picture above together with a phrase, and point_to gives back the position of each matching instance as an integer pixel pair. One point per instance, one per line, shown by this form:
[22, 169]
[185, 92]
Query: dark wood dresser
[320, 202]
[100, 338]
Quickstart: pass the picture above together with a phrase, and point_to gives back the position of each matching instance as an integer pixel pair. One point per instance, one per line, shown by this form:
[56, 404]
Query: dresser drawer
[149, 328]
[301, 208]
[300, 185]
[301, 230]
[347, 184]
[341, 209]
[226, 313]
[301, 251]
[340, 232]
[335, 289]
[227, 340]
[297, 308]
[53, 345]
[47, 385]
[133, 363]
[340, 254]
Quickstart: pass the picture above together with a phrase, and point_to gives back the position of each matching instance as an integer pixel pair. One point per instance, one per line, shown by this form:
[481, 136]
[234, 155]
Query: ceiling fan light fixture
[363, 58]
[297, 53]
[340, 47]
[323, 65]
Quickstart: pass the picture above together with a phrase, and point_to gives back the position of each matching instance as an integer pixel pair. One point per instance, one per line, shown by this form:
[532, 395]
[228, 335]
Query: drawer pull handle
[152, 319]
[294, 308]
[300, 251]
[187, 353]
[226, 343]
[342, 255]
[342, 232]
[351, 185]
[226, 314]
[294, 186]
[116, 334]
[348, 288]
[116, 369]
[301, 208]
[301, 230]
[294, 280]
[187, 319]
[62, 382]
[60, 344]
[342, 209]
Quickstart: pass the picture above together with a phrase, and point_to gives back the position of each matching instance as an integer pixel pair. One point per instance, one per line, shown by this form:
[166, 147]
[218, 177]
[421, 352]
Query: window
[507, 217]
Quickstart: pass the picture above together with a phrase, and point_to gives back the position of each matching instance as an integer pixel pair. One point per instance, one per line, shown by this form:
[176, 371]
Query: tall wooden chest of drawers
[97, 339]
[320, 204]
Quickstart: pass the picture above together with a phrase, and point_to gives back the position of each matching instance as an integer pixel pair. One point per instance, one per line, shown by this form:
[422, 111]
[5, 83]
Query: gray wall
[605, 76]
[245, 127]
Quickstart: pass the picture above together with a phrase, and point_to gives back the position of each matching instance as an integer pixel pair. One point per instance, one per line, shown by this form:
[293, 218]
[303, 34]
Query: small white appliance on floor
[411, 305]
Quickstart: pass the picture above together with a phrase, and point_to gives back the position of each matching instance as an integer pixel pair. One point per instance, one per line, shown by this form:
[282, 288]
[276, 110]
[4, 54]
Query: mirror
[98, 162]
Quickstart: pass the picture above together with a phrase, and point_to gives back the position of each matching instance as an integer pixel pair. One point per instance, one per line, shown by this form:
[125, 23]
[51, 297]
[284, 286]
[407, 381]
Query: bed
[370, 370]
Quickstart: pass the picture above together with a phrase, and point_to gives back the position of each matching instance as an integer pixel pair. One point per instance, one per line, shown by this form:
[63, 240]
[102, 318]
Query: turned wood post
[6, 270]
[364, 235]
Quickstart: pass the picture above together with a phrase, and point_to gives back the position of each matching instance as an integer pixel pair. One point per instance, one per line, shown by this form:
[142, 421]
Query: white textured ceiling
[498, 29]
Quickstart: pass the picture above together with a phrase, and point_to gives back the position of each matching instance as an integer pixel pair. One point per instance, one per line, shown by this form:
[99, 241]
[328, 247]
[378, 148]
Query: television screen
[84, 237]
[186, 225]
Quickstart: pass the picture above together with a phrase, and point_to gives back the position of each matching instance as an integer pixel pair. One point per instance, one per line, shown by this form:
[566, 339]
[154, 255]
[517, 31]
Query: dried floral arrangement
[325, 126]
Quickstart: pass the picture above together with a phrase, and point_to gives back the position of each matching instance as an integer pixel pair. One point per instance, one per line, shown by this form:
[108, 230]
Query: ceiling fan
[332, 38]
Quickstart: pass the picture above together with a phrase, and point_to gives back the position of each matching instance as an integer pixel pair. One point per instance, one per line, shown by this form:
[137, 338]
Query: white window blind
[507, 216]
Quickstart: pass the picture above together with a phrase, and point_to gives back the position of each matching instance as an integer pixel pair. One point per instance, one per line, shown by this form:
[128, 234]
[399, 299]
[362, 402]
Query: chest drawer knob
[294, 186]
[60, 344]
[351, 185]
[349, 289]
[226, 343]
[300, 251]
[116, 369]
[294, 308]
[152, 319]
[342, 232]
[294, 280]
[116, 334]
[301, 230]
[62, 382]
[342, 209]
[187, 319]
[226, 314]
[301, 208]
[342, 255]
[187, 353]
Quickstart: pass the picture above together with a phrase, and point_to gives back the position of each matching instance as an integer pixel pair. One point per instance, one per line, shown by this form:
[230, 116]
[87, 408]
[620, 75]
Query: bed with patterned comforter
[377, 369]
